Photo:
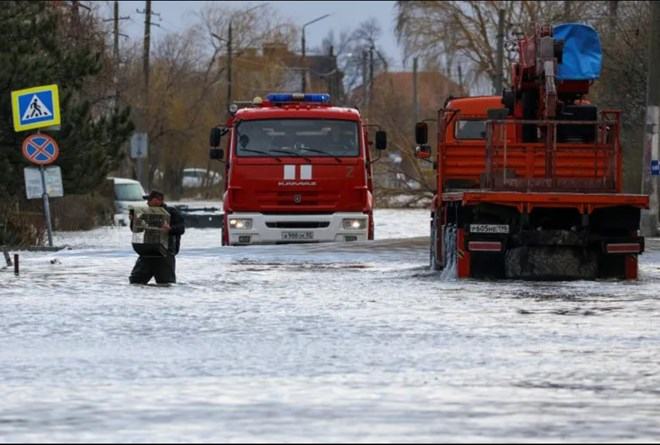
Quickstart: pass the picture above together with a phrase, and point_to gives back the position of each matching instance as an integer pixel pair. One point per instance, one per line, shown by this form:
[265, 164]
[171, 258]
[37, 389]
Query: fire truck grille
[298, 224]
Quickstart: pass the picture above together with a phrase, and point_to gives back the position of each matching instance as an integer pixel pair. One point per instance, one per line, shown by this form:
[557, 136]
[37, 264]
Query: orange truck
[529, 183]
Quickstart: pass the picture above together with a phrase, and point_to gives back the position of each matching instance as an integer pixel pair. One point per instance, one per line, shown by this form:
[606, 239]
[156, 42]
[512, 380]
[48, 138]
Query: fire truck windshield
[300, 137]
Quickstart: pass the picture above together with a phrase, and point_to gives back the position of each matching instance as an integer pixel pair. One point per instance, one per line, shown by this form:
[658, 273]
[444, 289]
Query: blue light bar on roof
[298, 97]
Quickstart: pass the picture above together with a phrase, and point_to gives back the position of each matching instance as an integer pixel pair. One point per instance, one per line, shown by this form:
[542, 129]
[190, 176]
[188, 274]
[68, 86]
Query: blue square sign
[655, 167]
[36, 107]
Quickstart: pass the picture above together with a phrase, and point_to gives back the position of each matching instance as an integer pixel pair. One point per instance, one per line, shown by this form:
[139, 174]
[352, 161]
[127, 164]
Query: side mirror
[421, 133]
[216, 153]
[214, 137]
[423, 151]
[381, 140]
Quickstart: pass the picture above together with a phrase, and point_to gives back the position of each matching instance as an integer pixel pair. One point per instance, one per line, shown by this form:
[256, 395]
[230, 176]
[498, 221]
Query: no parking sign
[40, 149]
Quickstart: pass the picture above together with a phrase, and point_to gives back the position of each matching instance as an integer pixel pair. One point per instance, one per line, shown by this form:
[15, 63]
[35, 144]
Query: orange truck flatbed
[526, 201]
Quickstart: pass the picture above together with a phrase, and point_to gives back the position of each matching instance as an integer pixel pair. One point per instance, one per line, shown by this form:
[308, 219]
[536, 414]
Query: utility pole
[230, 42]
[499, 68]
[612, 15]
[115, 51]
[229, 59]
[303, 43]
[414, 86]
[371, 78]
[649, 222]
[145, 55]
[145, 94]
[303, 69]
[145, 73]
[75, 17]
[460, 78]
[364, 78]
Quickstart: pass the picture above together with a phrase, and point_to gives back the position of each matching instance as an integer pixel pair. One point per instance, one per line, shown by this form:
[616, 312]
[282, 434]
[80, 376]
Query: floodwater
[355, 342]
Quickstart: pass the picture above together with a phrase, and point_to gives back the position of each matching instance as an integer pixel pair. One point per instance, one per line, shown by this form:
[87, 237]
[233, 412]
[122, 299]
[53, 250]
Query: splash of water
[449, 243]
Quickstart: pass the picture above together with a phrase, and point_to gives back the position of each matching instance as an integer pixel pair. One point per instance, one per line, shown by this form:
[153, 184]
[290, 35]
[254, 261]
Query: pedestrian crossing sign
[36, 107]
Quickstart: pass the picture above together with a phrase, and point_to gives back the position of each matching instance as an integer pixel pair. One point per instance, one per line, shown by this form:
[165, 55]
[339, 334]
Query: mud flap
[463, 269]
[631, 267]
[551, 263]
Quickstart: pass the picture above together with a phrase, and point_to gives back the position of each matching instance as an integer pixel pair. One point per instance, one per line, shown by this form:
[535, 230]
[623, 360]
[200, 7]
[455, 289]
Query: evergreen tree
[45, 43]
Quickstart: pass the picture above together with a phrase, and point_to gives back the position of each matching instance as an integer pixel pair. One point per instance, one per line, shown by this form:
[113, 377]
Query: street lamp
[228, 40]
[303, 70]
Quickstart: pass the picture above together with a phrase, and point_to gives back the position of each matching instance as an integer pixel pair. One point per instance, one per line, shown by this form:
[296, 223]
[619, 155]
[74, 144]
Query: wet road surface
[354, 342]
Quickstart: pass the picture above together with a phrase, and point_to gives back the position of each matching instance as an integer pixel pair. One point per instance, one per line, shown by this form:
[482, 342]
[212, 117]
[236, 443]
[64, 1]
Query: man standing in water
[162, 268]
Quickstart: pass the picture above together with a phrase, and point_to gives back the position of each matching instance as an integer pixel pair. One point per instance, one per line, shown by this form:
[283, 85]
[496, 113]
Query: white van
[197, 177]
[128, 192]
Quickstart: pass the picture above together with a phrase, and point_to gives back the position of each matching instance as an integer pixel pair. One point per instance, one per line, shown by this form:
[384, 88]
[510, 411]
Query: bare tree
[624, 30]
[188, 84]
[352, 51]
[251, 28]
[448, 33]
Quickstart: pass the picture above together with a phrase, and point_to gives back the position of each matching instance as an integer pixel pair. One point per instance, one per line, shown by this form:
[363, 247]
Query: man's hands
[165, 228]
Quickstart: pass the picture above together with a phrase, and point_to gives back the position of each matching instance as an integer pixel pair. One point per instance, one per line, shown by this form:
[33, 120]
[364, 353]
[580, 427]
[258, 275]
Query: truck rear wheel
[550, 263]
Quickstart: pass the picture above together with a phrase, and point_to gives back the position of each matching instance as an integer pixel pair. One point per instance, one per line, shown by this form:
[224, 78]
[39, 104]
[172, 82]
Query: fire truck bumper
[258, 228]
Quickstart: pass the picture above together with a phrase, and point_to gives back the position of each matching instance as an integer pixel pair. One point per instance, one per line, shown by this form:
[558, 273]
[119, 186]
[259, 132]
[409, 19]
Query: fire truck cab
[298, 170]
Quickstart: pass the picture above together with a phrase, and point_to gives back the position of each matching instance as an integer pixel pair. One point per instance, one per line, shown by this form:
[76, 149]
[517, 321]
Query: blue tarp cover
[582, 58]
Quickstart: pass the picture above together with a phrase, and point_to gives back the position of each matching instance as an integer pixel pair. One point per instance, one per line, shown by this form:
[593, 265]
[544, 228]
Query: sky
[345, 15]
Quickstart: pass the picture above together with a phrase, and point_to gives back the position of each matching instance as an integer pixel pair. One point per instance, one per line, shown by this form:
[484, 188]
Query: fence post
[7, 257]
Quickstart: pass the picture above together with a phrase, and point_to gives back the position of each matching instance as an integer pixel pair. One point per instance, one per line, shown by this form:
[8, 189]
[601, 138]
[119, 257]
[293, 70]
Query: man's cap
[154, 194]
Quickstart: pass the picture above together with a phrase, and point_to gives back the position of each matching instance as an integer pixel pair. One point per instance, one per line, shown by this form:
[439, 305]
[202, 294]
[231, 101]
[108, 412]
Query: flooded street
[355, 342]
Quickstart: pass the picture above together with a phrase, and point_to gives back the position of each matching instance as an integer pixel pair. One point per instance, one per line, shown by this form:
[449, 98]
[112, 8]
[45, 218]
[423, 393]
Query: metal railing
[549, 165]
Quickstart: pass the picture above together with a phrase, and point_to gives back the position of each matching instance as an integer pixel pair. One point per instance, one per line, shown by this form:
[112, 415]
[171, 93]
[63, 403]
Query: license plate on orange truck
[489, 228]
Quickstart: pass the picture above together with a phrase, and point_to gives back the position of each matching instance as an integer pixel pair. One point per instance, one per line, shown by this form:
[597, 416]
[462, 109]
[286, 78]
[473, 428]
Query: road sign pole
[46, 206]
[140, 168]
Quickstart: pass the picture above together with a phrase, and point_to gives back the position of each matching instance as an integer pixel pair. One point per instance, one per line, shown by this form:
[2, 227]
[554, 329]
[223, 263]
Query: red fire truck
[529, 184]
[298, 170]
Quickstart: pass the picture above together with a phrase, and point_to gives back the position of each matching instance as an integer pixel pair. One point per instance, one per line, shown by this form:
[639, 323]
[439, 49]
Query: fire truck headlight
[354, 224]
[240, 223]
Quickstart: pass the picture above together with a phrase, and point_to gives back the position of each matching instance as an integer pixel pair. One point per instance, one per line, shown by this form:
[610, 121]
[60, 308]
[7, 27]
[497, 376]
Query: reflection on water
[331, 344]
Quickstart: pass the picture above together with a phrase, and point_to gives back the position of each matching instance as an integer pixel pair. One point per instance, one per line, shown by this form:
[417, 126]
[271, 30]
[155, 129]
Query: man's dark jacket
[177, 228]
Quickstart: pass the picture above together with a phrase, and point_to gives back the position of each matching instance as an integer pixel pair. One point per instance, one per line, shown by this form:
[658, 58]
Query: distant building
[433, 88]
[285, 70]
[391, 105]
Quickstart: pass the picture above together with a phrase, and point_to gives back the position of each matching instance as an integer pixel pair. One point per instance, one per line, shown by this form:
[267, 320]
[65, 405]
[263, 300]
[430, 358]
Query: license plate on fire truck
[297, 236]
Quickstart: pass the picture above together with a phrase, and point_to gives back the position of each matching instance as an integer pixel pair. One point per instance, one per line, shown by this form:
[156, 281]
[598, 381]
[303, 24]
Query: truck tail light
[484, 246]
[623, 248]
